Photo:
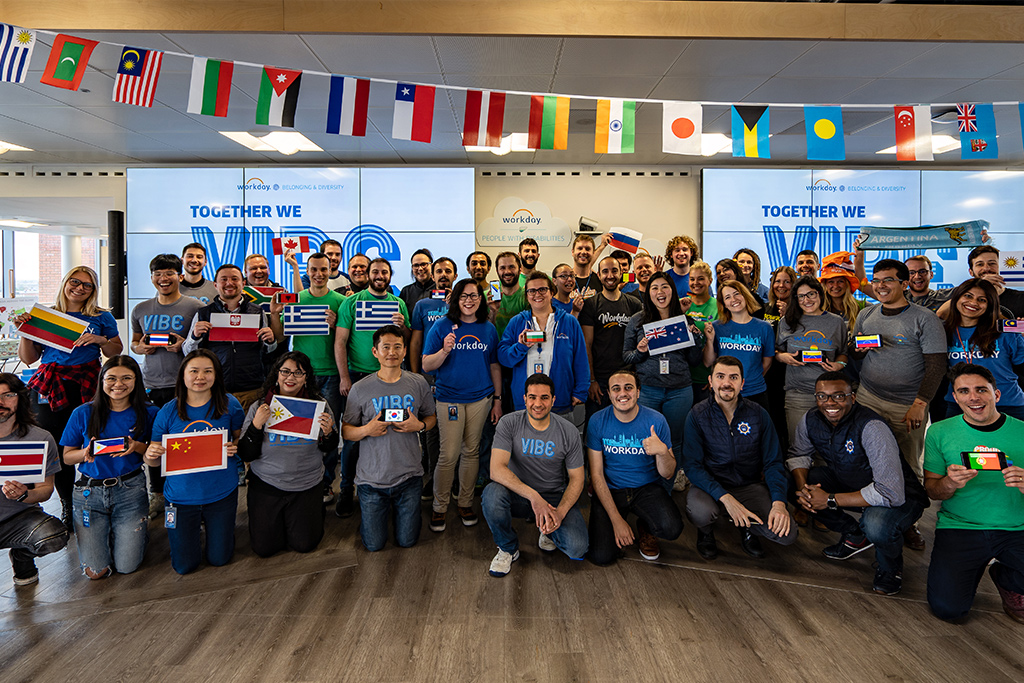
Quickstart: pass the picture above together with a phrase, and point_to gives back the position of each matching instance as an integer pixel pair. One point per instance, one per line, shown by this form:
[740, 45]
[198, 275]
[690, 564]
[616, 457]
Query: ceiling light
[714, 143]
[940, 144]
[11, 147]
[285, 142]
[19, 224]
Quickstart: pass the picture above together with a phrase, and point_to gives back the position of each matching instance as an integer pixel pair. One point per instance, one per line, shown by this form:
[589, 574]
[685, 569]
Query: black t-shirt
[609, 319]
[1013, 301]
[592, 281]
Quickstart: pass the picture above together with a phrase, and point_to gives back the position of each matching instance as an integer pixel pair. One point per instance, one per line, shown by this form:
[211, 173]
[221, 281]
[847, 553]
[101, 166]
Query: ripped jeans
[31, 534]
[118, 525]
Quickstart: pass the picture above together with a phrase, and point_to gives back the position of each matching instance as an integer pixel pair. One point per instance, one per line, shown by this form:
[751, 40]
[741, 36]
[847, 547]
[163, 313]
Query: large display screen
[779, 212]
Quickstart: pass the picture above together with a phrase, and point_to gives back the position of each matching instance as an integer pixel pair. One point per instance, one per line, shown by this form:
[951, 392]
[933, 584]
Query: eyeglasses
[75, 282]
[421, 265]
[114, 380]
[885, 281]
[284, 372]
[538, 291]
[806, 295]
[9, 396]
[838, 398]
[923, 271]
[565, 276]
[469, 297]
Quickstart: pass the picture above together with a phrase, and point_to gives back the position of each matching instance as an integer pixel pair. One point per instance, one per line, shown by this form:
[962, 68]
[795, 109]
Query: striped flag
[373, 315]
[615, 130]
[52, 328]
[210, 88]
[414, 112]
[300, 321]
[162, 339]
[1011, 267]
[549, 122]
[68, 59]
[625, 239]
[137, 74]
[279, 93]
[485, 118]
[16, 45]
[750, 132]
[913, 133]
[346, 107]
[234, 327]
[260, 295]
[23, 461]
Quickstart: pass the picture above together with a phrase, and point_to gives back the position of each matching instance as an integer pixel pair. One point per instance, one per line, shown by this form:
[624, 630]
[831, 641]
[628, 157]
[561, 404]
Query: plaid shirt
[48, 381]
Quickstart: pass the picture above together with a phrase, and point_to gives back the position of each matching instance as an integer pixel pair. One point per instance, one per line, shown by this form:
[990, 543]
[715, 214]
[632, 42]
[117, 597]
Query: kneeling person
[629, 457]
[389, 473]
[534, 451]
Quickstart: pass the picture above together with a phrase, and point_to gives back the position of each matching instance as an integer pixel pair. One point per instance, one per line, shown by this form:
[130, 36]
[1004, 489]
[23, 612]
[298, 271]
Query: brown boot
[913, 539]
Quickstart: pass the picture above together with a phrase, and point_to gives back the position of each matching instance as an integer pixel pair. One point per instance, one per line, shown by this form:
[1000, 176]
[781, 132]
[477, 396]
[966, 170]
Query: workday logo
[823, 185]
[514, 219]
[523, 218]
[257, 184]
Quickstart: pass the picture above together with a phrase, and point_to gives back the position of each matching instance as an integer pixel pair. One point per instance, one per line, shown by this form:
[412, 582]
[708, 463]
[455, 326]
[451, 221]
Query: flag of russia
[624, 239]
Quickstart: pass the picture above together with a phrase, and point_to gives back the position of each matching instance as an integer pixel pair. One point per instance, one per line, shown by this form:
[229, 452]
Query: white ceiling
[65, 127]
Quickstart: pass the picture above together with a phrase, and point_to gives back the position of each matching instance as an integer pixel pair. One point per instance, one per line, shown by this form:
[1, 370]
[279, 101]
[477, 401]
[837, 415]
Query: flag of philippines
[294, 416]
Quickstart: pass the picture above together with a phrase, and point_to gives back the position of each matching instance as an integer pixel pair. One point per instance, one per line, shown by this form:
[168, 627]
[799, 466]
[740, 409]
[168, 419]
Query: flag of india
[615, 129]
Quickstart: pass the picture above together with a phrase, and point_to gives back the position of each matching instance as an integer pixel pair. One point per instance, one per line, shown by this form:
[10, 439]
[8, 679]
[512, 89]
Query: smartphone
[536, 336]
[394, 415]
[812, 356]
[109, 446]
[495, 290]
[1013, 326]
[286, 298]
[162, 339]
[984, 460]
[868, 341]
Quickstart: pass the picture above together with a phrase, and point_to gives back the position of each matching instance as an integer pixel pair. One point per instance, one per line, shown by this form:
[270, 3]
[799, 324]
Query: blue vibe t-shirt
[102, 324]
[626, 464]
[76, 435]
[682, 282]
[427, 312]
[202, 487]
[465, 375]
[748, 342]
[1009, 351]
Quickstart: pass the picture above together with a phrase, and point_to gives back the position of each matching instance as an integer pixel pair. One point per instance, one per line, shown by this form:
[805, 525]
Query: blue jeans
[219, 518]
[959, 558]
[500, 505]
[328, 386]
[675, 405]
[375, 505]
[31, 534]
[118, 525]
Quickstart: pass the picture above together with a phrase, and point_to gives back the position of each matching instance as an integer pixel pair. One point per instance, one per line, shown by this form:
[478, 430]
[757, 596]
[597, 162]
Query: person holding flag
[200, 499]
[286, 472]
[111, 507]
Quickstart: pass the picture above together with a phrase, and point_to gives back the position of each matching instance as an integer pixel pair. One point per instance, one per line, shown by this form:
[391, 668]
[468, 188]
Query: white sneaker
[502, 563]
[156, 505]
[681, 482]
[546, 544]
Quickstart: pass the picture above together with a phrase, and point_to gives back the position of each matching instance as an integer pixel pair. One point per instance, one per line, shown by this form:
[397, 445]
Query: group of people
[793, 404]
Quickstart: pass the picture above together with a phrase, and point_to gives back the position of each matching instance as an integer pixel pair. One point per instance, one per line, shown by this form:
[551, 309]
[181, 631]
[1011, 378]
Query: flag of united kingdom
[966, 121]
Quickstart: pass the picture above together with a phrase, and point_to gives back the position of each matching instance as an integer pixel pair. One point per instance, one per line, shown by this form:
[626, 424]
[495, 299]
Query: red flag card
[283, 244]
[234, 327]
[287, 298]
[23, 461]
[298, 417]
[195, 452]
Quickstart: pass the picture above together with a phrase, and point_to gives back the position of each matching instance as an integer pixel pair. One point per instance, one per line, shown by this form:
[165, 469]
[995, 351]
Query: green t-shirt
[319, 348]
[509, 306]
[360, 344]
[985, 502]
[702, 313]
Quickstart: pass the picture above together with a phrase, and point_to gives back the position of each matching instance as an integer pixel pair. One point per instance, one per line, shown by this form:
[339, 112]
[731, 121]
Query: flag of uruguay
[305, 320]
[373, 315]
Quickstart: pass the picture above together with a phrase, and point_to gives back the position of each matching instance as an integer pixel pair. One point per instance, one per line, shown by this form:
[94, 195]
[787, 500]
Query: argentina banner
[951, 235]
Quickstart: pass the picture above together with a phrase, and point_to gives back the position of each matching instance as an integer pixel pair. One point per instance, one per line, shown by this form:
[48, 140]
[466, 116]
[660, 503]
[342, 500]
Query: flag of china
[198, 452]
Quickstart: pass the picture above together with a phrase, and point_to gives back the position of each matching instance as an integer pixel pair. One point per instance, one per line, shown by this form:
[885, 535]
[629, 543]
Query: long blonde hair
[848, 309]
[89, 307]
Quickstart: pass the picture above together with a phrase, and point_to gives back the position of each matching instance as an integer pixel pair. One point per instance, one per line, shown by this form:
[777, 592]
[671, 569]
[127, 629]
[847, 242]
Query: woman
[779, 289]
[703, 309]
[840, 282]
[63, 381]
[737, 333]
[727, 269]
[780, 286]
[807, 328]
[111, 506]
[209, 498]
[974, 335]
[462, 350]
[567, 298]
[285, 492]
[665, 381]
[750, 263]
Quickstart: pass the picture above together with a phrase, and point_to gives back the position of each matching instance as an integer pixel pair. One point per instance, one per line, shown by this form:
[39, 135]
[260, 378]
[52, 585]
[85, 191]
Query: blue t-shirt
[558, 305]
[465, 375]
[626, 464]
[102, 324]
[633, 286]
[682, 282]
[749, 342]
[1009, 351]
[202, 487]
[76, 435]
[427, 312]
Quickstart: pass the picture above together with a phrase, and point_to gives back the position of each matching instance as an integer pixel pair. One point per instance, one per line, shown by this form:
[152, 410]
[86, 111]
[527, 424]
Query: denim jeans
[219, 520]
[959, 558]
[675, 405]
[118, 525]
[883, 526]
[31, 534]
[652, 505]
[500, 505]
[349, 449]
[328, 386]
[376, 504]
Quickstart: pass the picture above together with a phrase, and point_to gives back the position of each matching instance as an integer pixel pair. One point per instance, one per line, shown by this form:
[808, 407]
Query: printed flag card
[194, 452]
[23, 461]
[667, 335]
[234, 327]
[295, 417]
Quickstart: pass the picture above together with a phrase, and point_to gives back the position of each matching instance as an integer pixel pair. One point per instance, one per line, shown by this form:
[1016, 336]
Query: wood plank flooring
[432, 613]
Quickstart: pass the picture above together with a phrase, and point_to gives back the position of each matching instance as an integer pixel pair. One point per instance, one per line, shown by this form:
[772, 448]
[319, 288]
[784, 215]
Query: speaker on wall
[117, 263]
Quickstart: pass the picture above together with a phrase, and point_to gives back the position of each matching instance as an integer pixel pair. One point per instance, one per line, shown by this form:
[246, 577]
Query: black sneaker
[25, 573]
[706, 546]
[751, 545]
[887, 583]
[437, 521]
[846, 548]
[66, 515]
[467, 516]
[346, 504]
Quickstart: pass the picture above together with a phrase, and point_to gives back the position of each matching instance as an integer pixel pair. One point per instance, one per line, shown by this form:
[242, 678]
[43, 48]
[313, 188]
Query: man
[703, 309]
[629, 457]
[257, 271]
[625, 264]
[170, 313]
[604, 318]
[643, 268]
[337, 281]
[807, 263]
[981, 522]
[242, 362]
[513, 296]
[354, 356]
[193, 283]
[390, 473]
[529, 254]
[478, 265]
[422, 281]
[862, 472]
[587, 281]
[731, 457]
[358, 273]
[681, 251]
[24, 527]
[920, 270]
[534, 452]
[983, 262]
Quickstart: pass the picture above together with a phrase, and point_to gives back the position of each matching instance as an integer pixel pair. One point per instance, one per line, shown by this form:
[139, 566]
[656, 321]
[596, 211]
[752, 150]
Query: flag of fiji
[373, 315]
[305, 320]
[292, 415]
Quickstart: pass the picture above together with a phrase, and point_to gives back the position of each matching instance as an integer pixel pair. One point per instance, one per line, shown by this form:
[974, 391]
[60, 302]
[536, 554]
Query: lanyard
[965, 346]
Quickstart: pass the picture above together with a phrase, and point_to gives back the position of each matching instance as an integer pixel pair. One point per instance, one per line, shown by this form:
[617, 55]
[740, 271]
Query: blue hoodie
[569, 370]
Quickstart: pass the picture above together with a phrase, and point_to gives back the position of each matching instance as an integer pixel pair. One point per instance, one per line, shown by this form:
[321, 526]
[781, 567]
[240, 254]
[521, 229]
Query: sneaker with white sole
[502, 563]
[546, 544]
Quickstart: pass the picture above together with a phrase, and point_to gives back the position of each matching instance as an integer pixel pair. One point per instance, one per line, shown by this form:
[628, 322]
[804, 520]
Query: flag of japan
[414, 112]
[913, 133]
[681, 127]
[283, 244]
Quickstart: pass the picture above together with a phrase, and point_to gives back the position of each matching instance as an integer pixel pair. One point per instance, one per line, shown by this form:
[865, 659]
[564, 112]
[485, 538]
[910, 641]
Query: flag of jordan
[67, 62]
[279, 93]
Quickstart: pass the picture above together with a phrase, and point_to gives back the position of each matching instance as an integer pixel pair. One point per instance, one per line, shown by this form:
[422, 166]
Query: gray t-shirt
[160, 368]
[205, 291]
[826, 333]
[8, 507]
[894, 371]
[386, 461]
[287, 462]
[539, 459]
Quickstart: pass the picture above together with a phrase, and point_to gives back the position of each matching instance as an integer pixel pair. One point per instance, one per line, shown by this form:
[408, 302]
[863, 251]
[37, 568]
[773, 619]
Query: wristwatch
[832, 505]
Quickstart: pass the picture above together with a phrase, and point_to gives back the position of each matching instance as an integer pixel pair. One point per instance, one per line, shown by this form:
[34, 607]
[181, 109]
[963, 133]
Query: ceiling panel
[618, 56]
[905, 90]
[498, 55]
[374, 55]
[962, 60]
[853, 59]
[738, 57]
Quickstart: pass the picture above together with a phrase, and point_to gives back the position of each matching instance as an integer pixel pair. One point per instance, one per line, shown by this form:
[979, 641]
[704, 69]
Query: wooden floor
[432, 613]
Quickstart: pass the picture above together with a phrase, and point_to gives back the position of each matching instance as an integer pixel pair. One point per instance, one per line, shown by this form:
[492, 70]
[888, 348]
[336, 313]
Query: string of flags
[138, 75]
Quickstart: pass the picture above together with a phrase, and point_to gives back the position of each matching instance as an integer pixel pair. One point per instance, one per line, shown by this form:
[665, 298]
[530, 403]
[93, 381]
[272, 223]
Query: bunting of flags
[138, 74]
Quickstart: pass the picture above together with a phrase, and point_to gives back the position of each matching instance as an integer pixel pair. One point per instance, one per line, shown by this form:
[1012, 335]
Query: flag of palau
[750, 132]
[824, 126]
